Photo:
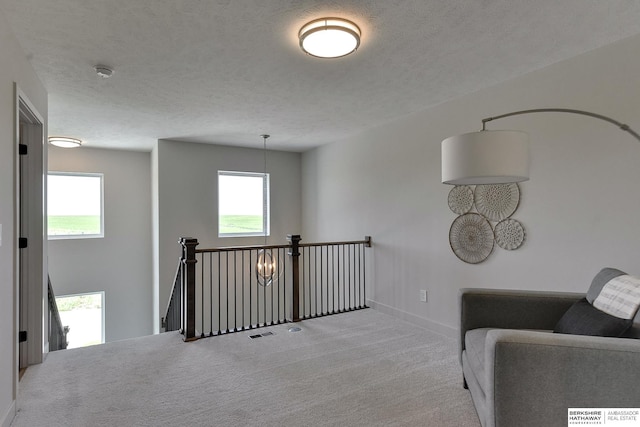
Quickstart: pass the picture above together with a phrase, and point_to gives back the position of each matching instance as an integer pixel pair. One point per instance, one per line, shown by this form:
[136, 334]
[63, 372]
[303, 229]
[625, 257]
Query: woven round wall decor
[509, 234]
[497, 201]
[460, 199]
[471, 238]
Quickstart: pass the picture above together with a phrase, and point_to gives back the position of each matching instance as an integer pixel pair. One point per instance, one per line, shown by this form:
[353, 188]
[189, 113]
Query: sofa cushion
[620, 297]
[599, 281]
[584, 319]
[474, 346]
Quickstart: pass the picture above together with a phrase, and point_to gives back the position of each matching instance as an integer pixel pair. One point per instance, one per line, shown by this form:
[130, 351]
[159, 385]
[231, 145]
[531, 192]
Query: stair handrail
[170, 317]
[185, 280]
[57, 332]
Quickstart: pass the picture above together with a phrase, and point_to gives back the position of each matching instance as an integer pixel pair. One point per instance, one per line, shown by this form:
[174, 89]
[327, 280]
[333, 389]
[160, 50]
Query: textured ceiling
[227, 71]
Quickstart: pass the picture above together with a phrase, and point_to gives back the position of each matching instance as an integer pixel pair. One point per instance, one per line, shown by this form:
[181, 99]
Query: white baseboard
[436, 327]
[8, 417]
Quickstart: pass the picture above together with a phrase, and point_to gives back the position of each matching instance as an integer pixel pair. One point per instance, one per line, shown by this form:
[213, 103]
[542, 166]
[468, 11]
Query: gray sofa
[520, 373]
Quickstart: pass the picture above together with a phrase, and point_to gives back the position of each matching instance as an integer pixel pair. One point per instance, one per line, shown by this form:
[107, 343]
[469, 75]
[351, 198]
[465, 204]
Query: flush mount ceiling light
[103, 71]
[64, 142]
[329, 37]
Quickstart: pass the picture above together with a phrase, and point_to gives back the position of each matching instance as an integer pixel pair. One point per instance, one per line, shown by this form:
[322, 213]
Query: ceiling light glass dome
[329, 37]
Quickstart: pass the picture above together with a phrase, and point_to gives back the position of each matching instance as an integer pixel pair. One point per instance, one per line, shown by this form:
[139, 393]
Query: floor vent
[266, 334]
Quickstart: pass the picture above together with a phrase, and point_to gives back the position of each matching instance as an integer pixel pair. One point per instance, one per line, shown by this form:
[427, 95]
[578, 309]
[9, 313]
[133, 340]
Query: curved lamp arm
[497, 157]
[622, 126]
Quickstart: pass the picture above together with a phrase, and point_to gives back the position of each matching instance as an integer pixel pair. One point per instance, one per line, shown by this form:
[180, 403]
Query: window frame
[78, 236]
[266, 203]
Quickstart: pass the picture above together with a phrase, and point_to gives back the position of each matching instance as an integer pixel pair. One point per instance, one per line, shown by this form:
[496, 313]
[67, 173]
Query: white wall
[120, 263]
[580, 208]
[186, 175]
[14, 67]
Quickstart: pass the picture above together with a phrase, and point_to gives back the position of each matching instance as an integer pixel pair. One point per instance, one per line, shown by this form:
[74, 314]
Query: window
[243, 204]
[74, 205]
[84, 315]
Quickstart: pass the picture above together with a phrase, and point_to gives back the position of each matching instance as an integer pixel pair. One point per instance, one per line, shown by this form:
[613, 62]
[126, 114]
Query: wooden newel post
[188, 287]
[294, 252]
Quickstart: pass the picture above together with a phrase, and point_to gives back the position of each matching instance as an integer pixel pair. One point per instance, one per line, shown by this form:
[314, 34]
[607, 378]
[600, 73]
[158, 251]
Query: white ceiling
[226, 71]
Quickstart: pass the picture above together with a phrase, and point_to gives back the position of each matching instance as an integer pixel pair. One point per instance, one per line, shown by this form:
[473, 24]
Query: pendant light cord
[264, 188]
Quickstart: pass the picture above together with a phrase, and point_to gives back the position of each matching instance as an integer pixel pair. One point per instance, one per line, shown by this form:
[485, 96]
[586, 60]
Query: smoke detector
[103, 71]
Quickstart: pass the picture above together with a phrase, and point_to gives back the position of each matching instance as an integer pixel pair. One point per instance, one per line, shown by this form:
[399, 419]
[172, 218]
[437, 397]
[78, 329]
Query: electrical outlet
[423, 295]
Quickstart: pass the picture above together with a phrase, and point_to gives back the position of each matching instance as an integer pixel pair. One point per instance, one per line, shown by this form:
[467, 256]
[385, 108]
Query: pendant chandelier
[268, 265]
[267, 270]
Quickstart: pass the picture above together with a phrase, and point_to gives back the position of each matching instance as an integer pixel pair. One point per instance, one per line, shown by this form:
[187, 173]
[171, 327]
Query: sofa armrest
[534, 377]
[510, 309]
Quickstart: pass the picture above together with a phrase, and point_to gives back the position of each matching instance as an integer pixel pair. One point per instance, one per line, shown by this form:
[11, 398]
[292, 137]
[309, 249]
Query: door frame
[35, 303]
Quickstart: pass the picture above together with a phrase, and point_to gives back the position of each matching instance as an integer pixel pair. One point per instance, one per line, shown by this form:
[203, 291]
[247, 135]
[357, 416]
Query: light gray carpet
[362, 368]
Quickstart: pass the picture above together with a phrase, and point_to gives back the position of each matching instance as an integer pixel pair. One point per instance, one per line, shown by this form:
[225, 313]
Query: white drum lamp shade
[485, 157]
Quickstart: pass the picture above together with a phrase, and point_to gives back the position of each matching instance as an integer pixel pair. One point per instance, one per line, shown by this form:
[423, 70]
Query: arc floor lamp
[500, 156]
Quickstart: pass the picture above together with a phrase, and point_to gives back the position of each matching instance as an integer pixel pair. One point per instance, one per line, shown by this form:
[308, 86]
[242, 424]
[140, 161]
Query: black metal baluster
[349, 274]
[330, 289]
[364, 281]
[210, 294]
[257, 295]
[307, 284]
[340, 306]
[345, 283]
[357, 248]
[312, 300]
[344, 277]
[321, 284]
[201, 295]
[264, 294]
[309, 280]
[336, 293]
[219, 295]
[304, 286]
[319, 274]
[360, 279]
[360, 272]
[315, 276]
[257, 285]
[226, 267]
[278, 293]
[330, 281]
[355, 282]
[356, 260]
[329, 293]
[254, 276]
[284, 288]
[235, 291]
[363, 302]
[242, 299]
[355, 296]
[251, 266]
[272, 283]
